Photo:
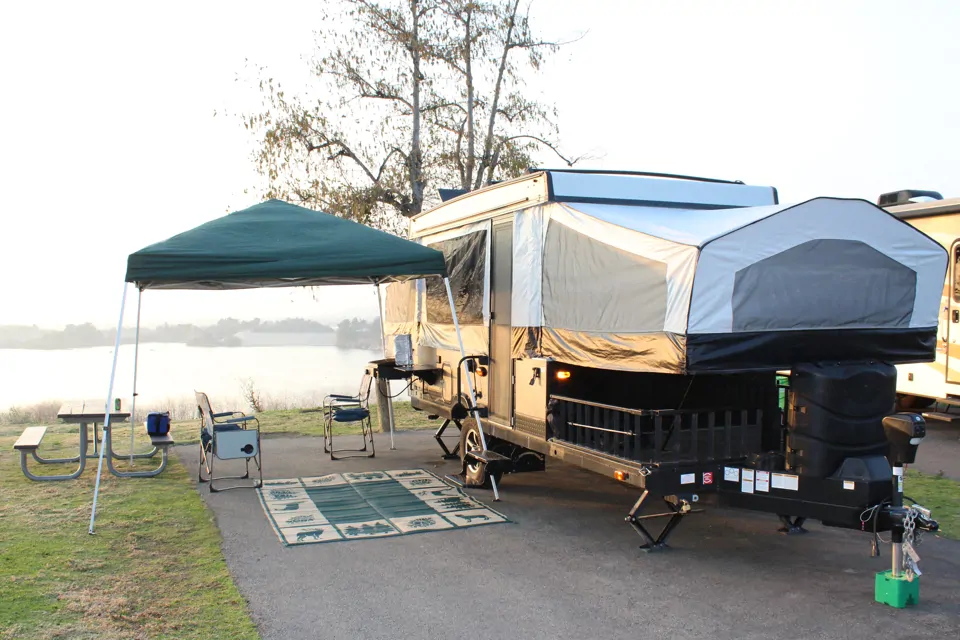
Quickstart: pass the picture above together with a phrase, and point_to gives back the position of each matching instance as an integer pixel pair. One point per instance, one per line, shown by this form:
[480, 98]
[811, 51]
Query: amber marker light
[563, 375]
[621, 475]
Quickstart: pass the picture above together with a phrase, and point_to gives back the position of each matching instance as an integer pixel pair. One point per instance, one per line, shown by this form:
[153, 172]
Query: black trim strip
[660, 204]
[623, 172]
[773, 350]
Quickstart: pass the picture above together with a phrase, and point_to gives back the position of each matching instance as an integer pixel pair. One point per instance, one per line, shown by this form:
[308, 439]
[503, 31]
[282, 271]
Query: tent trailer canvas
[634, 325]
[920, 385]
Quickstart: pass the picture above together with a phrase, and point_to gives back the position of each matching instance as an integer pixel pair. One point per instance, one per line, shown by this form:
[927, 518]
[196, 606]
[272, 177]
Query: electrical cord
[873, 513]
[409, 384]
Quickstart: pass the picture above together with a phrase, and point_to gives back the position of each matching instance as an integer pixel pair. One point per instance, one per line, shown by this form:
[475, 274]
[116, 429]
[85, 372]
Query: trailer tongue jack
[679, 505]
[900, 586]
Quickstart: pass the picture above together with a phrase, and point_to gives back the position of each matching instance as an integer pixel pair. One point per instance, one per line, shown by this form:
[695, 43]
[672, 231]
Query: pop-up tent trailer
[635, 325]
[272, 244]
[639, 286]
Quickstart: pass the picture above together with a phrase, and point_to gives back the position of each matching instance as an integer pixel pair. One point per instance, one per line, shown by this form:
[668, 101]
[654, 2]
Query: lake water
[169, 373]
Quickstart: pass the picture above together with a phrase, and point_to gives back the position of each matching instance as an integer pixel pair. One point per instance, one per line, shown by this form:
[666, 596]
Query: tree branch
[486, 161]
[570, 162]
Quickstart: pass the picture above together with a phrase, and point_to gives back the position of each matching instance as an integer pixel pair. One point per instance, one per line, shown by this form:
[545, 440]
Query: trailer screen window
[466, 258]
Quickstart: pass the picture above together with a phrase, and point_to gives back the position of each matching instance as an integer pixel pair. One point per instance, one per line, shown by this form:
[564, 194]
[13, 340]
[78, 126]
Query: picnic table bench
[161, 443]
[29, 441]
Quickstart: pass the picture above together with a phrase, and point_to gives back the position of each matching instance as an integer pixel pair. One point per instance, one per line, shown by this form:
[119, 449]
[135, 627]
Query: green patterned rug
[371, 504]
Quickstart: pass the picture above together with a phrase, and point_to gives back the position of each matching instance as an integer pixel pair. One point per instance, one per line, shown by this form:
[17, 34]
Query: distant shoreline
[377, 347]
[228, 332]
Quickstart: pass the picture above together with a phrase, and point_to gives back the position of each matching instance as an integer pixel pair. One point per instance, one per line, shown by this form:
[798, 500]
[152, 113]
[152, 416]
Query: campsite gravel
[566, 567]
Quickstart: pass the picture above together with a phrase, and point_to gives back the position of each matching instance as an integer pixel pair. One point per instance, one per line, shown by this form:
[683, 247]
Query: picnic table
[86, 413]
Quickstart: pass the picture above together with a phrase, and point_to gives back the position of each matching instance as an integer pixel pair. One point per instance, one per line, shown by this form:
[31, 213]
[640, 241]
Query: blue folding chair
[343, 409]
[230, 435]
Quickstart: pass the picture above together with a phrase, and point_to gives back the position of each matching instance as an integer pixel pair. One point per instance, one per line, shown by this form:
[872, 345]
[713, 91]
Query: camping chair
[346, 409]
[227, 436]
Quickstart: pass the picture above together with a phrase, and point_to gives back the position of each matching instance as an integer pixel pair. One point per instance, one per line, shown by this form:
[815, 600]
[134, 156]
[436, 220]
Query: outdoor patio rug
[371, 504]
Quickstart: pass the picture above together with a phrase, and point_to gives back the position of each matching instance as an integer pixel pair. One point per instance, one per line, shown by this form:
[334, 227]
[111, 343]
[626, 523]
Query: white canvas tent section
[625, 286]
[780, 229]
[633, 287]
[712, 245]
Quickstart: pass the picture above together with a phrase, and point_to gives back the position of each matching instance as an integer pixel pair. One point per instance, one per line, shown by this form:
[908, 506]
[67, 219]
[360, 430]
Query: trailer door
[500, 402]
[953, 316]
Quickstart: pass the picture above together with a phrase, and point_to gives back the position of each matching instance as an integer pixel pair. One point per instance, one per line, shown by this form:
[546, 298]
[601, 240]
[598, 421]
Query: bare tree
[412, 95]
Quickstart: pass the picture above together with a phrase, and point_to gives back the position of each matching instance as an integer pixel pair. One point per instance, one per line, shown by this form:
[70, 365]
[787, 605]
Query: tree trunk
[416, 155]
[489, 163]
[468, 68]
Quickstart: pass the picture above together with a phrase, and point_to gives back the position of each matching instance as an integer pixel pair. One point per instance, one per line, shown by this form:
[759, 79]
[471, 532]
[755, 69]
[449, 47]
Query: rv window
[466, 258]
[956, 273]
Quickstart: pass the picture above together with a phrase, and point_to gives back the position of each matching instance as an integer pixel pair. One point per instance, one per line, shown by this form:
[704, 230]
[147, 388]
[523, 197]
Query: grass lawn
[153, 570]
[939, 494]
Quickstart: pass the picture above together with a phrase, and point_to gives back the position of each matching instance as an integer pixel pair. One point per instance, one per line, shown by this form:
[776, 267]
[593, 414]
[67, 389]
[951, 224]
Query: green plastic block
[896, 592]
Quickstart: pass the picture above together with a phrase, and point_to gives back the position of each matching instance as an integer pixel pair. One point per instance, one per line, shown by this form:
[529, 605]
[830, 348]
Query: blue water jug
[158, 423]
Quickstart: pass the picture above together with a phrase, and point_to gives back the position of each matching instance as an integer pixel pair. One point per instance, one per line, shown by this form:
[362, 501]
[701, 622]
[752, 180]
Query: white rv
[920, 385]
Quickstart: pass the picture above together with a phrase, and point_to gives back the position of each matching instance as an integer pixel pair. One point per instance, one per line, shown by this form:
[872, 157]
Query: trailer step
[941, 417]
[487, 456]
[495, 462]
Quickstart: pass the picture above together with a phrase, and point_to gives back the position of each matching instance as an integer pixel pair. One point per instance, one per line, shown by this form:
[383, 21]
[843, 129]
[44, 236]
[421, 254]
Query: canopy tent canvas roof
[672, 290]
[278, 244]
[273, 244]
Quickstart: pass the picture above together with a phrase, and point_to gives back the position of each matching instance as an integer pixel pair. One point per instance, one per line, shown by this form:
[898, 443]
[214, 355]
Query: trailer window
[466, 258]
[956, 273]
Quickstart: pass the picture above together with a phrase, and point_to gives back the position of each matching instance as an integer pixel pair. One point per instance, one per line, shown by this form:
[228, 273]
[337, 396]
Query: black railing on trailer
[657, 436]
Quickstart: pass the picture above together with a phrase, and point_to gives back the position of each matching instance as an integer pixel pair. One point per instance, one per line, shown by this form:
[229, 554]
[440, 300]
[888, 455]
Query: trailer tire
[913, 403]
[475, 474]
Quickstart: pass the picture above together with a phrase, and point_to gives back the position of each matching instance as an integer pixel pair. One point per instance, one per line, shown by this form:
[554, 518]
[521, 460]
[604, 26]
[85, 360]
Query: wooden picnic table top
[76, 411]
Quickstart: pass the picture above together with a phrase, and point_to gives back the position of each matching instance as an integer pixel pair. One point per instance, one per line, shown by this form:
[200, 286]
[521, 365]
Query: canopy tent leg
[136, 355]
[106, 418]
[388, 400]
[473, 395]
[133, 409]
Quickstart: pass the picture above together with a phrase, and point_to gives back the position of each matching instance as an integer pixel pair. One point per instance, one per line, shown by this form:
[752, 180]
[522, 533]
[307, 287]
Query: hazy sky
[109, 141]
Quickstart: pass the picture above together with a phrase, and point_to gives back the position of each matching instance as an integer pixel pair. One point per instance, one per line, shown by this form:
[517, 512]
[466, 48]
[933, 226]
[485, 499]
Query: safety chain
[911, 538]
[910, 533]
[909, 524]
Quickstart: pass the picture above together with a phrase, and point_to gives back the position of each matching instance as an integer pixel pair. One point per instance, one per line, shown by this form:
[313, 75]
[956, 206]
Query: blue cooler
[158, 424]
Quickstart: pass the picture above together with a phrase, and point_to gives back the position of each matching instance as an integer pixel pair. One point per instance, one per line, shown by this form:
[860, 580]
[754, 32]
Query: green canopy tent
[277, 244]
[272, 244]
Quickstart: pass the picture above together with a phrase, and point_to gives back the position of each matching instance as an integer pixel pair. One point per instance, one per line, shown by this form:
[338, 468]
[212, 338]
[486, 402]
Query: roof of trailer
[578, 188]
[685, 226]
[694, 227]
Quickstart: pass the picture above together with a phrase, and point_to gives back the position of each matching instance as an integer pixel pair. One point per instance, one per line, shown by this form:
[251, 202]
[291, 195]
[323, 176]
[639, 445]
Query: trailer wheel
[913, 403]
[475, 473]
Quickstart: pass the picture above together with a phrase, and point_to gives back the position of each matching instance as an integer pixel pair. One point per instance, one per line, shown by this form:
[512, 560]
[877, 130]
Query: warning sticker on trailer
[763, 481]
[708, 477]
[731, 474]
[785, 481]
[746, 485]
